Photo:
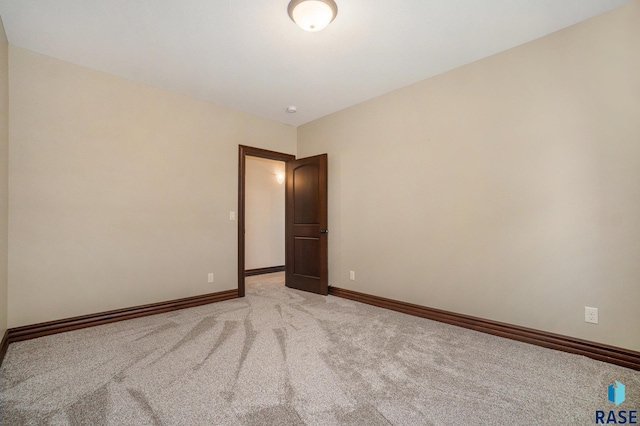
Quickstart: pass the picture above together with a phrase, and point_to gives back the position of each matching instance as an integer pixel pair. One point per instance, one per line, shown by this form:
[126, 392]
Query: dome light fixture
[312, 15]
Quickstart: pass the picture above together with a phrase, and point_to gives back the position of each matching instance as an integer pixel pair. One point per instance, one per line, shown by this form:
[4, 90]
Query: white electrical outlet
[210, 277]
[591, 315]
[352, 275]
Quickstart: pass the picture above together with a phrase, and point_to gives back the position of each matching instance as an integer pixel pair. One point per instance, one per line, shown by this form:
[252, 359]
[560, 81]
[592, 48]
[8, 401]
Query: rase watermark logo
[616, 395]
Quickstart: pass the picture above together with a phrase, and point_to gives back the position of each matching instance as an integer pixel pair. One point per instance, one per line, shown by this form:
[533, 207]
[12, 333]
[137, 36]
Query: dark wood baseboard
[611, 354]
[46, 328]
[260, 271]
[4, 345]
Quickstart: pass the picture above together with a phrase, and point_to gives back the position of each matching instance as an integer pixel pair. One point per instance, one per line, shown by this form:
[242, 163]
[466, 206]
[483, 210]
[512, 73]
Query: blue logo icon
[616, 393]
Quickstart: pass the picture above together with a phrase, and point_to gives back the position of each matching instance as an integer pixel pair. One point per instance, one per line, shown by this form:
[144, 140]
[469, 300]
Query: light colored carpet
[285, 357]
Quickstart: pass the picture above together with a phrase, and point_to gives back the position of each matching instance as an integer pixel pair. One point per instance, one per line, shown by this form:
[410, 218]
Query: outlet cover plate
[591, 315]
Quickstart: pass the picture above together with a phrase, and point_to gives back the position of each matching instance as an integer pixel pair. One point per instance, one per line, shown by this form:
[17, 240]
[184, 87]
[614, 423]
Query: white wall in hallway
[264, 214]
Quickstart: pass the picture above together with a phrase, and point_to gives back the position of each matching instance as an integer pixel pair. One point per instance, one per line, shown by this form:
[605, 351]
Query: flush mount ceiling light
[312, 15]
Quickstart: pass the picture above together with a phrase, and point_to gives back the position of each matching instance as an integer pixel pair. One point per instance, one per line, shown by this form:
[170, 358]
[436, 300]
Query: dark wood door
[306, 224]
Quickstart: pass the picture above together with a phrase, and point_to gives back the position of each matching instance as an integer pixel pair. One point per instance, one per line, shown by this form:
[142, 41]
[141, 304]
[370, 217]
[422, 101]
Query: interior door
[306, 224]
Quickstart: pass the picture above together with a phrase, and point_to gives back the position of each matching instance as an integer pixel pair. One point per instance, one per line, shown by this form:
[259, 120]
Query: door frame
[243, 152]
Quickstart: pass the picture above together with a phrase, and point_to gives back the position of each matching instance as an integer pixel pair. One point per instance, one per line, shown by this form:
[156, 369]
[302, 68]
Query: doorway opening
[264, 216]
[247, 155]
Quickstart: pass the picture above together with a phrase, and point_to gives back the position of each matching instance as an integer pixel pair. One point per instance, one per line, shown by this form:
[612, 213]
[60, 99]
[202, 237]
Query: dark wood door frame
[245, 151]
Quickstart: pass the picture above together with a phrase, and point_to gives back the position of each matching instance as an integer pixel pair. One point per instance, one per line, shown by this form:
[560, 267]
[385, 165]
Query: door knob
[324, 231]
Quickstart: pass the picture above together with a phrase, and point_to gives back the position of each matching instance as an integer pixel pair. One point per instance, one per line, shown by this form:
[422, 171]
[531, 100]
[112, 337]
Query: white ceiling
[248, 54]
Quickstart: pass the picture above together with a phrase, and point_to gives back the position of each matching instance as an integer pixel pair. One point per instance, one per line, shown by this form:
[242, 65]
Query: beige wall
[120, 192]
[508, 189]
[4, 177]
[264, 216]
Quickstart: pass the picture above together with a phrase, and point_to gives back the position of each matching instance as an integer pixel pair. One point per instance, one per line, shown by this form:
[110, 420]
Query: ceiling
[248, 55]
